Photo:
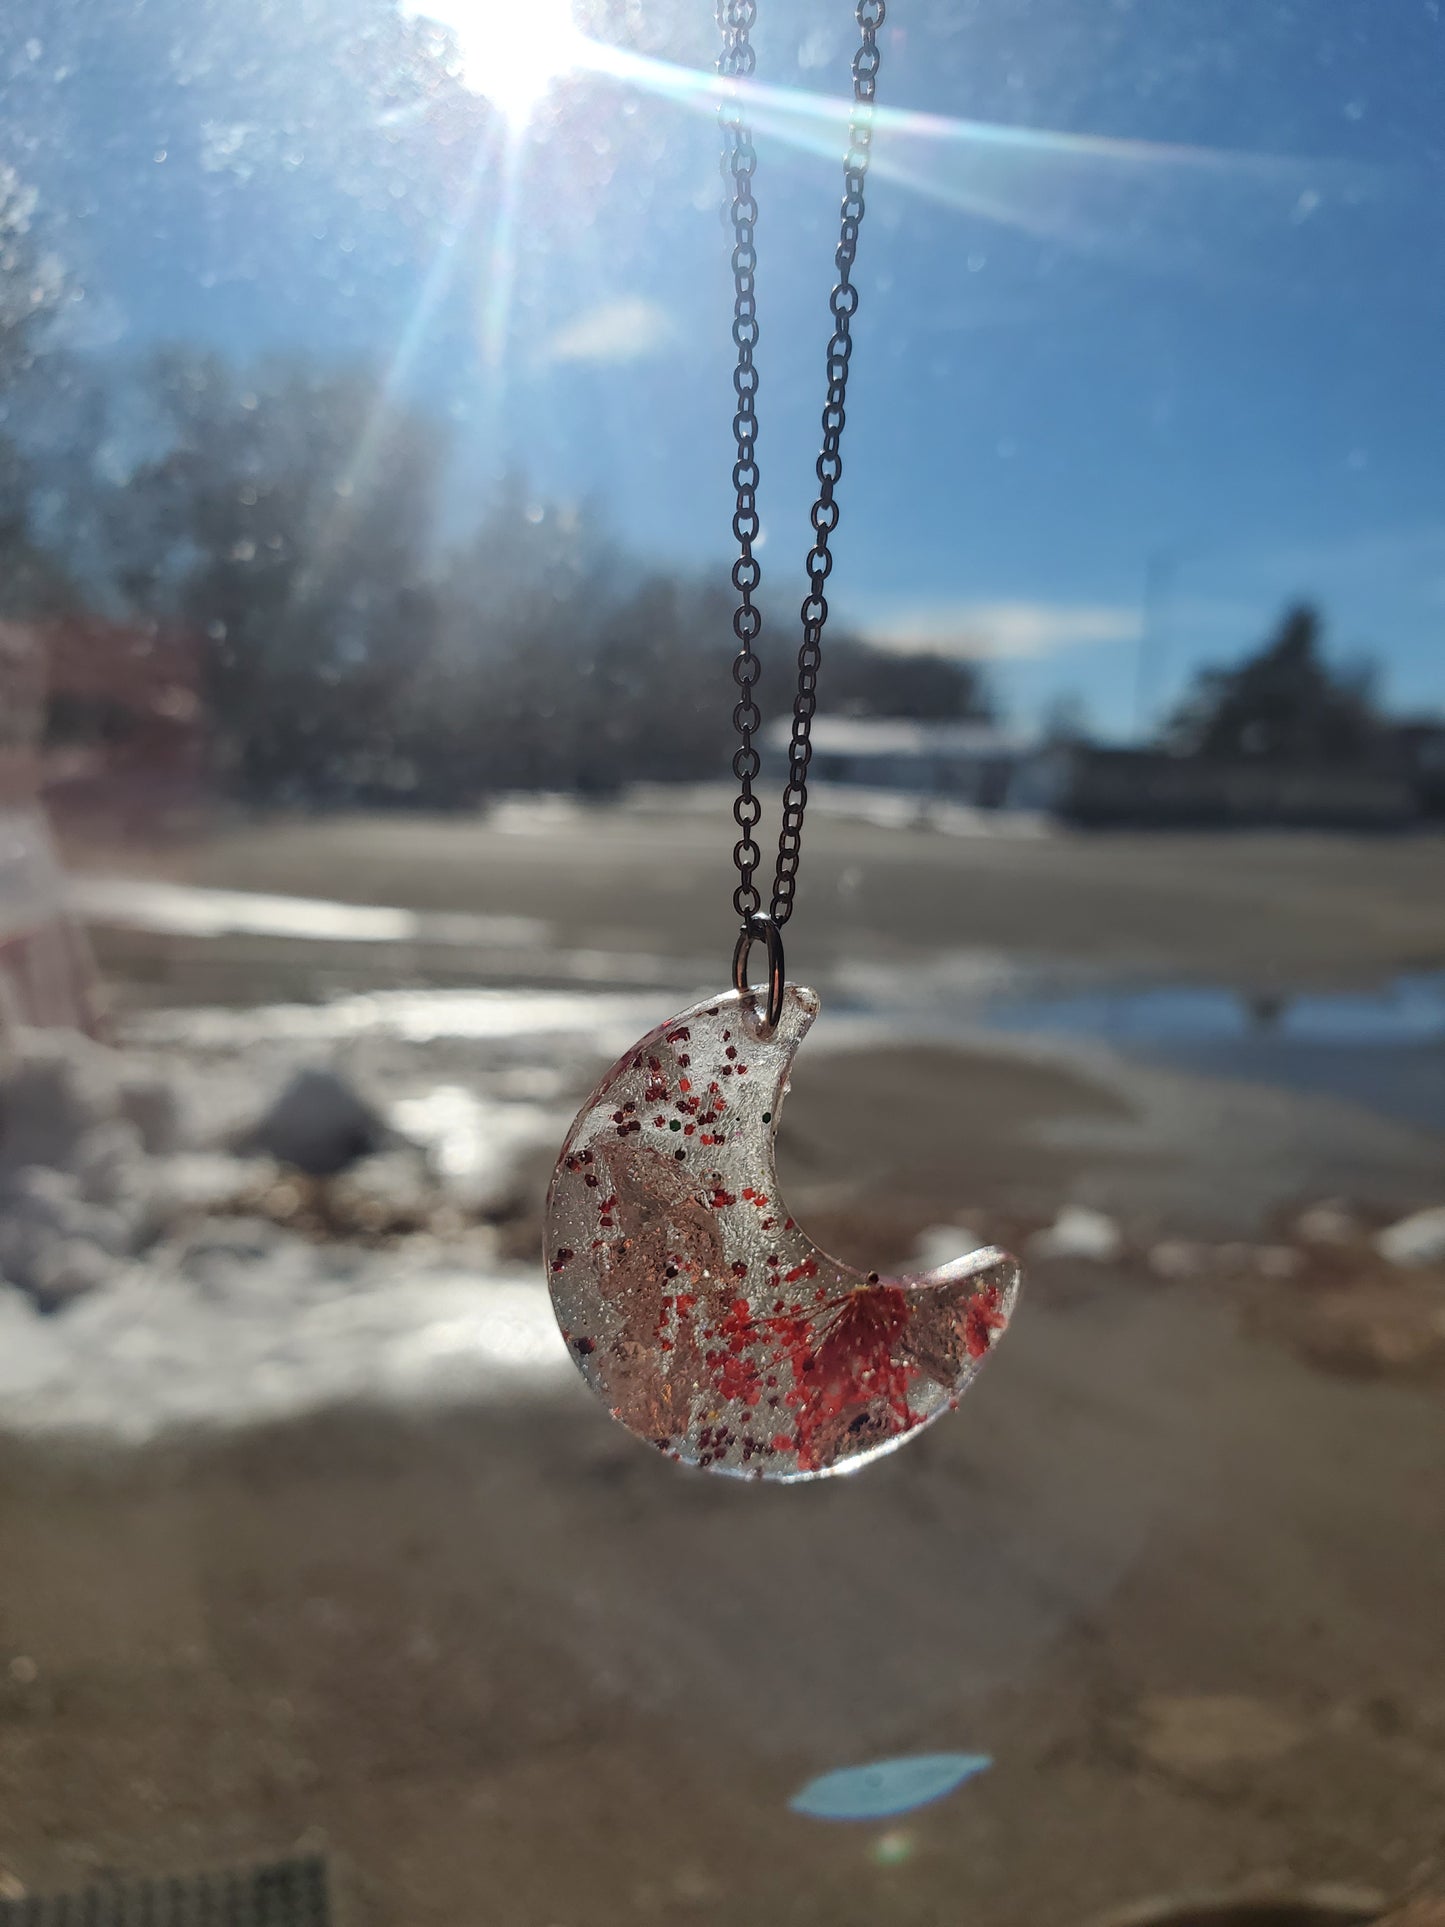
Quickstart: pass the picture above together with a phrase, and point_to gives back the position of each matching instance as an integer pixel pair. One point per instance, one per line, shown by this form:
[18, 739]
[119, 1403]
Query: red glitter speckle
[737, 1378]
[983, 1316]
[562, 1258]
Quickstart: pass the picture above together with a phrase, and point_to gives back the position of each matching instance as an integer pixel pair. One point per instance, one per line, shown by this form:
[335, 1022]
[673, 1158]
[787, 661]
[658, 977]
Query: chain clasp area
[761, 928]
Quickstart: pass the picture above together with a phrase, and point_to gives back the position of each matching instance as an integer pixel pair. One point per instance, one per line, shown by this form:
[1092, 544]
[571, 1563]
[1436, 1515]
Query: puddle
[473, 1139]
[1409, 1010]
[1383, 1048]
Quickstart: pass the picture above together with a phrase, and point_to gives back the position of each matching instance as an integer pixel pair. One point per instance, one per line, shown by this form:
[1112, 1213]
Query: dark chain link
[735, 19]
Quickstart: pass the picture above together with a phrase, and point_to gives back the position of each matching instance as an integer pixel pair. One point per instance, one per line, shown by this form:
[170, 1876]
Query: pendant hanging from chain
[737, 62]
[693, 1304]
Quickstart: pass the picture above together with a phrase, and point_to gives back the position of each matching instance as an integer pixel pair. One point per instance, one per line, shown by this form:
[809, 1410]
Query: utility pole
[1160, 568]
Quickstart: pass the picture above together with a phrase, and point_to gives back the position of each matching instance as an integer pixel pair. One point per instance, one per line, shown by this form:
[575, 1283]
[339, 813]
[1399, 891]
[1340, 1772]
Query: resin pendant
[702, 1316]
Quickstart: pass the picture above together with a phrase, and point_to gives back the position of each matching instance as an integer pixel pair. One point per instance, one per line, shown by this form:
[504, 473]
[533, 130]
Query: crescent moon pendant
[703, 1317]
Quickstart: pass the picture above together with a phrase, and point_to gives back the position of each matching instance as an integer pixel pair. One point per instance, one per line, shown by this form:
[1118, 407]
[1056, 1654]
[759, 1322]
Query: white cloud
[626, 330]
[1004, 631]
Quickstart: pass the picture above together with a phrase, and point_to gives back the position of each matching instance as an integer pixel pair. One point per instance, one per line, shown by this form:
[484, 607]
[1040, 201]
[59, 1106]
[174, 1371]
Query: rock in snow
[940, 1244]
[1079, 1232]
[90, 1179]
[59, 1086]
[1331, 1222]
[1174, 1258]
[1416, 1240]
[320, 1125]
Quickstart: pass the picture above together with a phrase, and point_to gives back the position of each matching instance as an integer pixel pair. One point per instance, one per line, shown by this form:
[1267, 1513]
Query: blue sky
[1145, 286]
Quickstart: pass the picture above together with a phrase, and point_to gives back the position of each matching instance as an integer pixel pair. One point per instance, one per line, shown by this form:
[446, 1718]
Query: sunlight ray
[436, 286]
[1039, 180]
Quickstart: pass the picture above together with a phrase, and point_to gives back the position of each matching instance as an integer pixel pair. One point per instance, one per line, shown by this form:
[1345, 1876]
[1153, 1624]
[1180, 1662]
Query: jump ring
[761, 928]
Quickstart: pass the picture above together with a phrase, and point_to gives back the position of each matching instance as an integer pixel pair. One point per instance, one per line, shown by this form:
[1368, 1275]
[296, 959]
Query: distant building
[124, 744]
[975, 763]
[1418, 747]
[1096, 787]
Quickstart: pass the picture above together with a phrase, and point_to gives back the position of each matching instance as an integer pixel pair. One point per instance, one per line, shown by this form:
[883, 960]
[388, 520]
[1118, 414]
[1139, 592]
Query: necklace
[700, 1313]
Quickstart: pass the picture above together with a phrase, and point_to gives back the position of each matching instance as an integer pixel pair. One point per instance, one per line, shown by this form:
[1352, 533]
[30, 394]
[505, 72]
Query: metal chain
[736, 18]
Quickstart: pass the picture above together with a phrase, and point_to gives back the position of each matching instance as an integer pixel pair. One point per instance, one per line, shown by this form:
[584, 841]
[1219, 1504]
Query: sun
[512, 50]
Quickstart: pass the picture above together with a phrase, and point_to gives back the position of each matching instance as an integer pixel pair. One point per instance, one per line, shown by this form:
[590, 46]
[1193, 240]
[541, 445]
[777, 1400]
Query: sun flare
[512, 50]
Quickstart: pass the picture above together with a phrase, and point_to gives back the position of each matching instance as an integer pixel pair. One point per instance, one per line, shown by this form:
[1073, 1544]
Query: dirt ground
[505, 1666]
[1182, 1581]
[1261, 909]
